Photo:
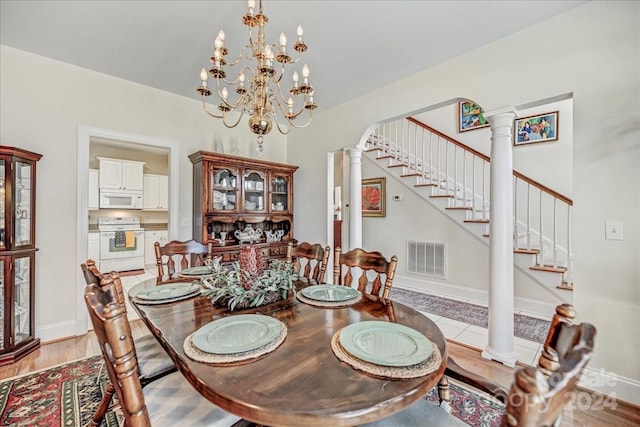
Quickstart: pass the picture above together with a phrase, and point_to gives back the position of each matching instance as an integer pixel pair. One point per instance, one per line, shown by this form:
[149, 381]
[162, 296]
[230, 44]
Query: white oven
[120, 199]
[121, 244]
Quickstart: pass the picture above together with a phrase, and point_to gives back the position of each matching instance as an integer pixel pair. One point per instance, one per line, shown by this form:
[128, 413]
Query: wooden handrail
[543, 187]
[448, 138]
[517, 174]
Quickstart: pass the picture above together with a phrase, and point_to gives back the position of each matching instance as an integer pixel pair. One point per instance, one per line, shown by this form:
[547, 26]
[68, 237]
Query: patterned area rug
[526, 327]
[68, 395]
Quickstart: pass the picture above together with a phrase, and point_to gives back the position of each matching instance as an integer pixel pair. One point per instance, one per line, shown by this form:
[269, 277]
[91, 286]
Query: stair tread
[459, 208]
[424, 185]
[409, 175]
[477, 221]
[388, 156]
[566, 286]
[397, 165]
[549, 268]
[526, 251]
[436, 196]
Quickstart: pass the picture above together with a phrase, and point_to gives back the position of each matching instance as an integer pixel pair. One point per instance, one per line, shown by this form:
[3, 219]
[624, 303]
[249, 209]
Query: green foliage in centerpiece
[239, 288]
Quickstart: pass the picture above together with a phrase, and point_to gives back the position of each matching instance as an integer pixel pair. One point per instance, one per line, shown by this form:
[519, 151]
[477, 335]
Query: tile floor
[475, 336]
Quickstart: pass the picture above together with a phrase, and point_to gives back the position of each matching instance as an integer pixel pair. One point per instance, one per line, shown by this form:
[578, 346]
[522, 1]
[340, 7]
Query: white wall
[591, 51]
[43, 102]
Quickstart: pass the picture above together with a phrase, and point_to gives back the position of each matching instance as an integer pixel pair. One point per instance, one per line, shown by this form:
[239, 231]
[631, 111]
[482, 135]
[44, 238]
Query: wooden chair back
[309, 261]
[109, 318]
[91, 273]
[185, 254]
[111, 282]
[369, 263]
[538, 396]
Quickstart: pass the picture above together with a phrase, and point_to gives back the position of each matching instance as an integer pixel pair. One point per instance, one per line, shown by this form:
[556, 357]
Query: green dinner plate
[385, 343]
[162, 292]
[236, 334]
[330, 293]
[196, 271]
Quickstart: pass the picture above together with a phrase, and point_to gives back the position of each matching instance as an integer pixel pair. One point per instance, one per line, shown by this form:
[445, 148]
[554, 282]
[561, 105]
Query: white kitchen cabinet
[156, 192]
[93, 248]
[120, 174]
[93, 201]
[150, 237]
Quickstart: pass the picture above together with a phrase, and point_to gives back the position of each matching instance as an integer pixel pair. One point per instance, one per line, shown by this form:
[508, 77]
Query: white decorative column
[501, 282]
[355, 198]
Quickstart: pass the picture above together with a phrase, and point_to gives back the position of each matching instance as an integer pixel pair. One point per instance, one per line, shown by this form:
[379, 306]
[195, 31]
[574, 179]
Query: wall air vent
[428, 258]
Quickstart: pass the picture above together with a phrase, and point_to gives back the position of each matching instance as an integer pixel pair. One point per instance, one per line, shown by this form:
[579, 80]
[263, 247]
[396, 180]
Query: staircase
[455, 179]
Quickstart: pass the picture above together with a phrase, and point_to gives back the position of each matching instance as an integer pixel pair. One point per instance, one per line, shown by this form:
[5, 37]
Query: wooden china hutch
[232, 193]
[17, 253]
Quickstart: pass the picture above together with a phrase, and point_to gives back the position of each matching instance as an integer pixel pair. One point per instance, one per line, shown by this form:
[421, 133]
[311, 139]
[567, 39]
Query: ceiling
[354, 46]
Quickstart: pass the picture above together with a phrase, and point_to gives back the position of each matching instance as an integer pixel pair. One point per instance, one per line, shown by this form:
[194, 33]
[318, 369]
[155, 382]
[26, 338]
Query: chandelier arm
[234, 82]
[282, 96]
[206, 110]
[304, 125]
[233, 106]
[224, 120]
[280, 129]
[274, 98]
[239, 57]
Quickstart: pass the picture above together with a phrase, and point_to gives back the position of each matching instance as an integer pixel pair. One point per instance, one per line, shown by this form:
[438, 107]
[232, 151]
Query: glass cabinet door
[22, 193]
[279, 193]
[22, 298]
[2, 307]
[253, 191]
[224, 188]
[3, 219]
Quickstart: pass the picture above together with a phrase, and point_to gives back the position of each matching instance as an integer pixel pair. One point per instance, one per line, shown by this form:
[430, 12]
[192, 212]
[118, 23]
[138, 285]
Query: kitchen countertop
[151, 226]
[155, 226]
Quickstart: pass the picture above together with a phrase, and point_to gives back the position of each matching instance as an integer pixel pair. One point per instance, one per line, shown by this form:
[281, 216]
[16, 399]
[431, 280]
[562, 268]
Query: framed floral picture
[470, 117]
[532, 129]
[373, 197]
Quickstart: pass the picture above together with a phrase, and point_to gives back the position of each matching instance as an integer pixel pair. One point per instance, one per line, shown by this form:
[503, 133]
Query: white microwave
[120, 199]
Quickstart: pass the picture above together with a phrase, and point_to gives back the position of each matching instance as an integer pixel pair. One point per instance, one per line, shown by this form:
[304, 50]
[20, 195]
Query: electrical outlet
[397, 197]
[613, 230]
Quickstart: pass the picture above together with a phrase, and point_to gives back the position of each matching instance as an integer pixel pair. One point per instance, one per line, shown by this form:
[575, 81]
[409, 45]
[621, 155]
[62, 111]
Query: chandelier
[260, 70]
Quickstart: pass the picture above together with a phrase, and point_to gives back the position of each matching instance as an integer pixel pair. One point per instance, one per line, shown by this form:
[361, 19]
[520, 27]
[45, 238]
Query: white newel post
[501, 282]
[355, 198]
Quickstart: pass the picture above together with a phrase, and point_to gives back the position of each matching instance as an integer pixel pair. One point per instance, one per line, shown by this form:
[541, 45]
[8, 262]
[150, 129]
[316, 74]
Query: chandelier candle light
[261, 97]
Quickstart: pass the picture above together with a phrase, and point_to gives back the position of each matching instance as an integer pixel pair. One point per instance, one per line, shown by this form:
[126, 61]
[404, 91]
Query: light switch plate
[613, 230]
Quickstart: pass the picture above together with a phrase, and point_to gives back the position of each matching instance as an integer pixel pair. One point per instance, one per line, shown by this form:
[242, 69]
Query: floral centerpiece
[239, 287]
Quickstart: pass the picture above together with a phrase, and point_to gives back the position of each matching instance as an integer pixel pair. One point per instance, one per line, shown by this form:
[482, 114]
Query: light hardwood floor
[59, 352]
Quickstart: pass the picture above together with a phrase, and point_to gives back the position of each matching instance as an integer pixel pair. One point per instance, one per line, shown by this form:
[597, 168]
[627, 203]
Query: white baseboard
[609, 384]
[56, 331]
[539, 309]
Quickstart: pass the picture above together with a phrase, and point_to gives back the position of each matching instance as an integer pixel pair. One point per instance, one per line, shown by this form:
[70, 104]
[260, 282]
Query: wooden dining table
[302, 382]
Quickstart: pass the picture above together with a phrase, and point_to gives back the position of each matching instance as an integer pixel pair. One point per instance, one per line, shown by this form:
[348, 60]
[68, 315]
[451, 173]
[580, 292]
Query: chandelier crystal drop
[256, 86]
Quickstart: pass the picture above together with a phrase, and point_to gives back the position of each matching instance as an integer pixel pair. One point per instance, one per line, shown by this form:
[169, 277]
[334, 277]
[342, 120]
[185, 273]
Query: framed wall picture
[470, 117]
[539, 128]
[373, 197]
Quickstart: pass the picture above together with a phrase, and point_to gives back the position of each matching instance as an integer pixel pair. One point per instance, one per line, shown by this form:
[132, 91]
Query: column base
[507, 359]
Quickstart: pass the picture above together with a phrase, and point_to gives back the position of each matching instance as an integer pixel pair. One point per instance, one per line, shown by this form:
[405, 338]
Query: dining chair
[369, 263]
[309, 261]
[168, 401]
[537, 396]
[183, 254]
[153, 361]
